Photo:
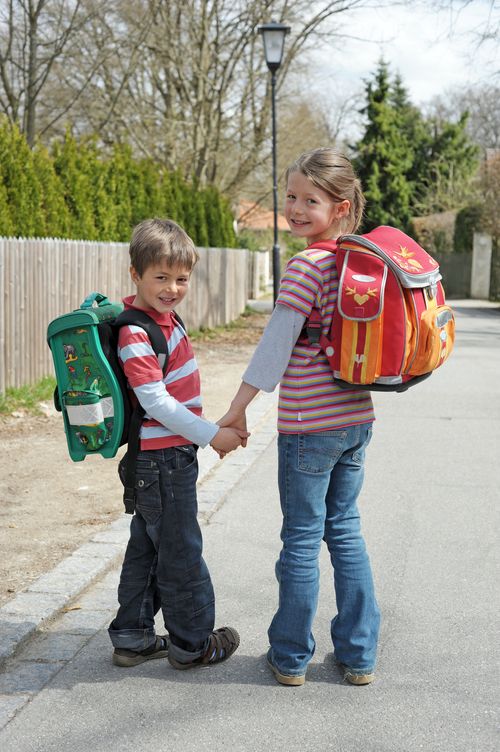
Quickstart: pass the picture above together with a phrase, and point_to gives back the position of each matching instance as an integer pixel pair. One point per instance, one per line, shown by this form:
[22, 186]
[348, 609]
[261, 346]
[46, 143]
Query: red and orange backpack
[391, 327]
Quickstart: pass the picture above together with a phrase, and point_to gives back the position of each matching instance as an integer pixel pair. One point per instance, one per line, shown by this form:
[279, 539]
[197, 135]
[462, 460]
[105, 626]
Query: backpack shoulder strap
[132, 317]
[179, 320]
[312, 327]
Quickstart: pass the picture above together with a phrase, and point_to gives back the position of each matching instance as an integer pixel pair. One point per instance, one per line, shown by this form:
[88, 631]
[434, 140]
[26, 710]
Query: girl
[323, 433]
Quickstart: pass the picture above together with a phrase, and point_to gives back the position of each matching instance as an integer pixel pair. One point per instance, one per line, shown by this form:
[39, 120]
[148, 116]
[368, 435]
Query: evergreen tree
[451, 165]
[200, 217]
[384, 156]
[178, 188]
[77, 189]
[78, 192]
[227, 221]
[151, 177]
[409, 165]
[170, 209]
[117, 182]
[102, 188]
[22, 189]
[213, 217]
[56, 218]
[6, 223]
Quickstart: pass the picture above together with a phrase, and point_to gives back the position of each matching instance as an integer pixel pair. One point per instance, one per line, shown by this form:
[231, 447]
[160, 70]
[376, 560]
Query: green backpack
[91, 391]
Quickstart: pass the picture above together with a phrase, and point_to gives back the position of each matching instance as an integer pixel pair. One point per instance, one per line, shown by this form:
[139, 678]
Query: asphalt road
[430, 510]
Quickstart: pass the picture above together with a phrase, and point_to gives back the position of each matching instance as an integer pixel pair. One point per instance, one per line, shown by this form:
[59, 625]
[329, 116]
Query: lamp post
[273, 36]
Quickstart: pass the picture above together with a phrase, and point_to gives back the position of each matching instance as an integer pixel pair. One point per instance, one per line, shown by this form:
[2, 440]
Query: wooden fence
[43, 278]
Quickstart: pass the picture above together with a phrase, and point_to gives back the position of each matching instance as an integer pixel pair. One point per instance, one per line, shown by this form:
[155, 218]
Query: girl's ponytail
[357, 206]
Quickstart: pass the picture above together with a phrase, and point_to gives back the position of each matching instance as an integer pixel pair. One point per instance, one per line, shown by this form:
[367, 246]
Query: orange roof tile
[252, 216]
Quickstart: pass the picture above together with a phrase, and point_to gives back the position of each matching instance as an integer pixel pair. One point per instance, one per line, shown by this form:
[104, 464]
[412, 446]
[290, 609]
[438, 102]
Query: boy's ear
[134, 275]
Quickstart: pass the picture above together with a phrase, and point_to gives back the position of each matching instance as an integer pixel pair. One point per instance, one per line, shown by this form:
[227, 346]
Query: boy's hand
[227, 439]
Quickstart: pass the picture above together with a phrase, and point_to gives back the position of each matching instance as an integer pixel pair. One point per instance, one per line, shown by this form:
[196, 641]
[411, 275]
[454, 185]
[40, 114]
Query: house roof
[253, 216]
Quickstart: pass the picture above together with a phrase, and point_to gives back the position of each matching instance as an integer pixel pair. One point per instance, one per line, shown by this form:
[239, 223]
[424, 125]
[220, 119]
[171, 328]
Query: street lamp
[273, 36]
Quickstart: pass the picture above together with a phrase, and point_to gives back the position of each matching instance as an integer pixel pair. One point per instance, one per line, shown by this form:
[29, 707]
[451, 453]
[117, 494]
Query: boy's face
[161, 287]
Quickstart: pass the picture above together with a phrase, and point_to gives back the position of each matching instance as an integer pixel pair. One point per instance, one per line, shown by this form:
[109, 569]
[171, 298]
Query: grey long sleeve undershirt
[272, 355]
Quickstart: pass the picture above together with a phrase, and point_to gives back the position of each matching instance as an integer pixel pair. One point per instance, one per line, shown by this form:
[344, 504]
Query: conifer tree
[21, 185]
[78, 194]
[451, 164]
[56, 218]
[213, 217]
[383, 157]
[200, 217]
[178, 187]
[154, 204]
[117, 182]
[6, 224]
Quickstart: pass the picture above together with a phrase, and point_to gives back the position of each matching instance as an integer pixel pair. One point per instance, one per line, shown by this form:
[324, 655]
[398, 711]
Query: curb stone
[47, 596]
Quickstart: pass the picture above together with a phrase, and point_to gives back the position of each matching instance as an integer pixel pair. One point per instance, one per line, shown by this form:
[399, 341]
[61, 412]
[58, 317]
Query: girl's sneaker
[355, 678]
[128, 658]
[287, 680]
[222, 643]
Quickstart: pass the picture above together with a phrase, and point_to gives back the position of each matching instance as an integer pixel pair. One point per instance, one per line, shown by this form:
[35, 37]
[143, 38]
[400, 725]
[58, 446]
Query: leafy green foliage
[81, 192]
[410, 165]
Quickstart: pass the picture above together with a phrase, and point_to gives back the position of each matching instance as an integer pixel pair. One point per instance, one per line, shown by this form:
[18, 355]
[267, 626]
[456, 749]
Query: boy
[163, 565]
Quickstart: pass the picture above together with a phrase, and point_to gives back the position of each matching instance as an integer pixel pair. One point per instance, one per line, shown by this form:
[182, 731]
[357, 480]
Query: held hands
[235, 420]
[226, 439]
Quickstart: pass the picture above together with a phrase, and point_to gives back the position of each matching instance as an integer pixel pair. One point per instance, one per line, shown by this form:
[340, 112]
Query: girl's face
[311, 212]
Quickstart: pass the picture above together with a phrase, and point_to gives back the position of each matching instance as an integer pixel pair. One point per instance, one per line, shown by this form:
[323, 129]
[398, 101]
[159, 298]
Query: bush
[469, 219]
[81, 192]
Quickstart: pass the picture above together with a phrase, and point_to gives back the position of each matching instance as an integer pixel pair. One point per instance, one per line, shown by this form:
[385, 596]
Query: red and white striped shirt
[182, 380]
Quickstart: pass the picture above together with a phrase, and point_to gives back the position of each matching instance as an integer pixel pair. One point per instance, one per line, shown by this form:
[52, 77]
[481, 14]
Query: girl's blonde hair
[333, 172]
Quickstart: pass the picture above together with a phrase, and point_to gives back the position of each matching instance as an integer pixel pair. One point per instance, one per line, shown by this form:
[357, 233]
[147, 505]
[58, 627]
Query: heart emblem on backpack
[360, 299]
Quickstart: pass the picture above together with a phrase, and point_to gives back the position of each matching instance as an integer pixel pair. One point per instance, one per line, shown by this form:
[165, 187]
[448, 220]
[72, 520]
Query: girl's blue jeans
[320, 478]
[163, 565]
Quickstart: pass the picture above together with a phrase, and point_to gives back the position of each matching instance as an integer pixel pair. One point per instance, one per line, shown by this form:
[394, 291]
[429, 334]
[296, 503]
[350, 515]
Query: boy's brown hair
[156, 240]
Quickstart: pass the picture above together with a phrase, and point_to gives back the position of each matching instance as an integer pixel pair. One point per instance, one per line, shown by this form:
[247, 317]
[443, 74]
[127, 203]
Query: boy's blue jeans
[320, 477]
[163, 565]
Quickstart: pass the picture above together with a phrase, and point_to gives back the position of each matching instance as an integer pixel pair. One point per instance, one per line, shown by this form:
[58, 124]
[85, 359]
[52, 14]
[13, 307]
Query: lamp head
[273, 36]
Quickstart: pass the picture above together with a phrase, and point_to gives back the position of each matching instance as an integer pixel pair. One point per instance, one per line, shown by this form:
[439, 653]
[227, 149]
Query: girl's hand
[235, 418]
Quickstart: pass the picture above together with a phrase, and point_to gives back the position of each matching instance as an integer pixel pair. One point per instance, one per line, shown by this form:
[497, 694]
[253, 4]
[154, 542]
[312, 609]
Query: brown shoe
[222, 643]
[128, 658]
[289, 680]
[353, 677]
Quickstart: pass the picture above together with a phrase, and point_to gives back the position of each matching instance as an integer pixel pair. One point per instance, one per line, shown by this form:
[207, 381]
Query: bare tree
[186, 82]
[486, 31]
[483, 105]
[183, 81]
[34, 36]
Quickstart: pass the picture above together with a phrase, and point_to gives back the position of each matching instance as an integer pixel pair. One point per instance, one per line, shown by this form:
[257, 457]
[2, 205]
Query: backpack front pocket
[435, 340]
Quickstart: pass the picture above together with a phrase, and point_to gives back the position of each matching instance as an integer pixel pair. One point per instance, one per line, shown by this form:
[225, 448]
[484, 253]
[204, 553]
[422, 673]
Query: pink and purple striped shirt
[309, 399]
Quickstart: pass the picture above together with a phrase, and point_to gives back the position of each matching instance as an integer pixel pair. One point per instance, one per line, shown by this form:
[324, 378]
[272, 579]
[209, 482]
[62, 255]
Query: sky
[432, 51]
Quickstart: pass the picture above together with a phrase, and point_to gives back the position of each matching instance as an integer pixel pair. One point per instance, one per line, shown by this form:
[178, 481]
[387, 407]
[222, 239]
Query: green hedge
[79, 191]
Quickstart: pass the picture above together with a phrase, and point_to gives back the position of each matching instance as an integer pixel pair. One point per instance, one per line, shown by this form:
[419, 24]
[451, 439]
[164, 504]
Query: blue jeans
[163, 565]
[320, 477]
